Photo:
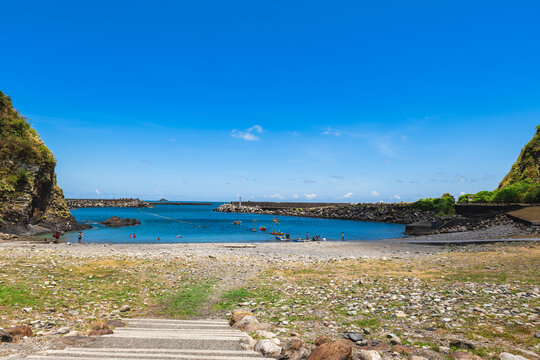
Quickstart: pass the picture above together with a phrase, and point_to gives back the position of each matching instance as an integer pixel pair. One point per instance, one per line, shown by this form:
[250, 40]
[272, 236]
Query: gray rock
[367, 355]
[62, 330]
[248, 343]
[537, 334]
[508, 356]
[353, 336]
[125, 308]
[428, 354]
[265, 334]
[394, 339]
[268, 348]
[461, 344]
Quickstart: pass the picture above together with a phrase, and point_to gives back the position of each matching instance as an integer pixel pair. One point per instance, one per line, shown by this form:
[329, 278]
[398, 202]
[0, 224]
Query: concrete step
[77, 353]
[246, 353]
[179, 325]
[156, 343]
[151, 339]
[170, 321]
[179, 329]
[143, 357]
[160, 334]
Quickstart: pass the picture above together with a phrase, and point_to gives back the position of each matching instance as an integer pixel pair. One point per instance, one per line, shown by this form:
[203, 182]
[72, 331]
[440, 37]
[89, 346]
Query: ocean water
[198, 224]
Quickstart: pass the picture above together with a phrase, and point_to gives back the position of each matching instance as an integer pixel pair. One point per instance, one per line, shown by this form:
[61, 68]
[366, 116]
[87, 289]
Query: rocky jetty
[115, 221]
[391, 213]
[30, 199]
[99, 203]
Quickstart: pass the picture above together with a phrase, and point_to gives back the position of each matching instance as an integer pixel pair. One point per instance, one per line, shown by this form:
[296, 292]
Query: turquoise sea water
[198, 223]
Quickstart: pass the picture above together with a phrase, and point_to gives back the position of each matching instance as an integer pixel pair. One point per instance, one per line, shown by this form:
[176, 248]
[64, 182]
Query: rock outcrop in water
[30, 199]
[115, 221]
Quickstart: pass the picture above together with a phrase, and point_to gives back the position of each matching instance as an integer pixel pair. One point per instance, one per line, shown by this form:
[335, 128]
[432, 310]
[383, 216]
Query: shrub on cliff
[20, 148]
[482, 197]
[527, 165]
[522, 191]
[443, 206]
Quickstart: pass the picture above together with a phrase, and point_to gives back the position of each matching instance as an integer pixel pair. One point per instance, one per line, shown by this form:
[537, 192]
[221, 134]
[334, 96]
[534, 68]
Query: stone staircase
[163, 339]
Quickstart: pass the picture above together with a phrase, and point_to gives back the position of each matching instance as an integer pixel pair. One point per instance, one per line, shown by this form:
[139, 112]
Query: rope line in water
[166, 217]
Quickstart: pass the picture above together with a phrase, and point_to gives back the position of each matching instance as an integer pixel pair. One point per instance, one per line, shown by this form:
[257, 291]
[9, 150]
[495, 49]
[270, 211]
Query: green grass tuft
[188, 301]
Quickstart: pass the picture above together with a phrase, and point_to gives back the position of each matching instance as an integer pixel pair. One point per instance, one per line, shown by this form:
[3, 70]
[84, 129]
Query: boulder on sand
[268, 348]
[321, 340]
[242, 319]
[336, 350]
[19, 331]
[115, 221]
[295, 349]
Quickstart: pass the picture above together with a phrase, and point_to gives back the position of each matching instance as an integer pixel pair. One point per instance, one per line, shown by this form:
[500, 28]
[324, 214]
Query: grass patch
[231, 298]
[188, 301]
[17, 296]
[370, 323]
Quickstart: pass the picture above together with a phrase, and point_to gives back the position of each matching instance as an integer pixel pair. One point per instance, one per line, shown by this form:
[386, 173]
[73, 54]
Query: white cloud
[276, 196]
[462, 193]
[397, 197]
[243, 178]
[295, 196]
[310, 196]
[248, 134]
[348, 195]
[98, 192]
[461, 178]
[332, 132]
[374, 193]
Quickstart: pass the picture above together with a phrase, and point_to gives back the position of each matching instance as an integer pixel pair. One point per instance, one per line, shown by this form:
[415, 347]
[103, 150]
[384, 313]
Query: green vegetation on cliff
[521, 184]
[443, 206]
[20, 147]
[28, 190]
[527, 165]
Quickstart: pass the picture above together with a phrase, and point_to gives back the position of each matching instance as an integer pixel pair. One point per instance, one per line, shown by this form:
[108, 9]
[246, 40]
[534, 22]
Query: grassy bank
[490, 297]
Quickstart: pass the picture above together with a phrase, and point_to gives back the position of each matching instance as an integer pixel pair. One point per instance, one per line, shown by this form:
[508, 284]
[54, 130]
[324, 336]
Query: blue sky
[310, 100]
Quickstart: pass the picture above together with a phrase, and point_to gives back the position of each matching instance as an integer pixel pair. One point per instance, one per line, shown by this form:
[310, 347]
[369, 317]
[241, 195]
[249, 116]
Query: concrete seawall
[399, 213]
[87, 203]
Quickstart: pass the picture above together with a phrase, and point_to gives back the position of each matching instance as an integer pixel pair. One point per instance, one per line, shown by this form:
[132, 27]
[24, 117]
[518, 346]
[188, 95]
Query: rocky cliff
[527, 165]
[30, 199]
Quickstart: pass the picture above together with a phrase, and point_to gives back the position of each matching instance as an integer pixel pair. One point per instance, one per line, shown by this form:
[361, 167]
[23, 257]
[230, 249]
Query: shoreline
[396, 248]
[331, 281]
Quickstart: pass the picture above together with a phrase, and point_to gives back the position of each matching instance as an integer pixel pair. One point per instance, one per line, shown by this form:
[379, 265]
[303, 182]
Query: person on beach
[342, 236]
[56, 237]
[307, 236]
[80, 236]
[287, 236]
[134, 235]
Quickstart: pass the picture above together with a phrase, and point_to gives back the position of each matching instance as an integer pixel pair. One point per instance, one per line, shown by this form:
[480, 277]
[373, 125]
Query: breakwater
[398, 213]
[100, 203]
